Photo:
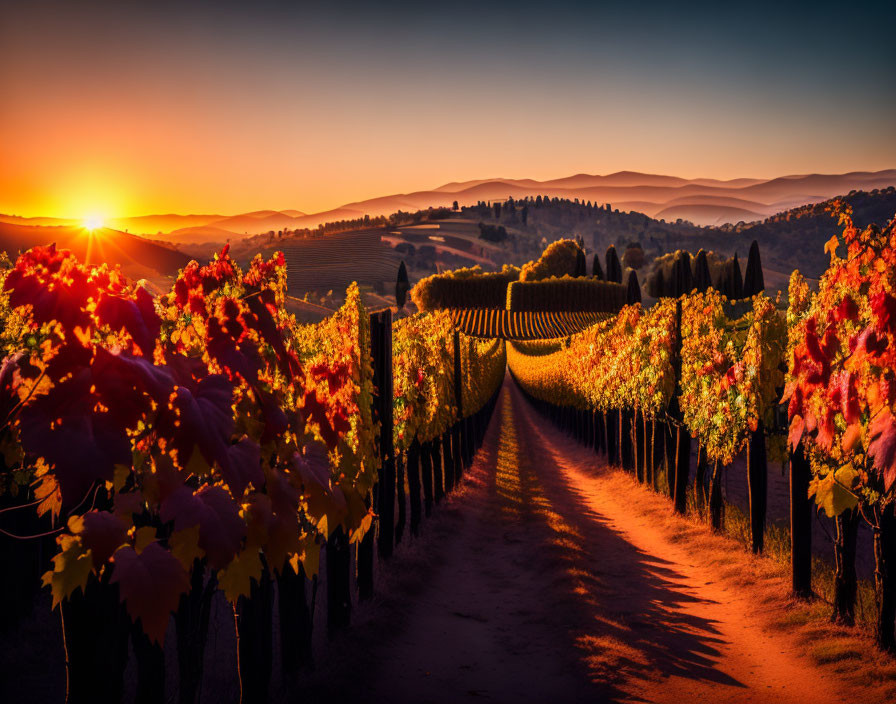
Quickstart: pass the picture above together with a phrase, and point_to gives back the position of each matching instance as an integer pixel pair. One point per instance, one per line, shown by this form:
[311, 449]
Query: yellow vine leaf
[831, 492]
[310, 558]
[120, 476]
[71, 568]
[830, 247]
[184, 546]
[358, 535]
[236, 578]
[46, 490]
[143, 537]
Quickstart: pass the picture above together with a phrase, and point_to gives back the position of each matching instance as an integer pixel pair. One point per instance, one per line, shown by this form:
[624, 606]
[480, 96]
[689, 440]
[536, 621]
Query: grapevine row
[202, 440]
[642, 384]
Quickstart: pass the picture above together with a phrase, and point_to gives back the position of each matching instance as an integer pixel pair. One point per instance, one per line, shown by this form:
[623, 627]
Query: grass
[834, 651]
[736, 525]
[850, 652]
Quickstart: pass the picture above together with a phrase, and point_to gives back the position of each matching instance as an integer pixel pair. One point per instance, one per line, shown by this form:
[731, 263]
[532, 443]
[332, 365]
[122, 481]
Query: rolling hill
[702, 201]
[138, 257]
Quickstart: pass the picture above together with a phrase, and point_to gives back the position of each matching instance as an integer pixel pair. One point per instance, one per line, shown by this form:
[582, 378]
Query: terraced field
[333, 262]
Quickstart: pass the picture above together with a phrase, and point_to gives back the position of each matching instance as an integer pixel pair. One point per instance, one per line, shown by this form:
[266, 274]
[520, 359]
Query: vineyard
[204, 442]
[641, 386]
[162, 454]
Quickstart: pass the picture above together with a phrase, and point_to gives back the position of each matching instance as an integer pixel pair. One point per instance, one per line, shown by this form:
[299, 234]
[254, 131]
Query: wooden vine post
[448, 466]
[638, 446]
[191, 626]
[715, 497]
[412, 467]
[402, 519]
[845, 580]
[296, 624]
[150, 658]
[438, 491]
[381, 350]
[800, 524]
[253, 616]
[700, 495]
[95, 635]
[625, 439]
[456, 436]
[426, 476]
[682, 439]
[339, 595]
[757, 485]
[612, 437]
[885, 577]
[757, 465]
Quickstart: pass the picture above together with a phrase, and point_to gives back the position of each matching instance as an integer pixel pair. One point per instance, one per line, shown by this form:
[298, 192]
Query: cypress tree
[659, 284]
[402, 286]
[614, 268]
[736, 280]
[702, 279]
[687, 279]
[581, 264]
[633, 294]
[753, 280]
[596, 270]
[673, 287]
[721, 282]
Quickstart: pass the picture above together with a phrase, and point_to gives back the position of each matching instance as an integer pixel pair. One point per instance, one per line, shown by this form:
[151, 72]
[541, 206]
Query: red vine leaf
[103, 533]
[221, 530]
[150, 585]
[883, 446]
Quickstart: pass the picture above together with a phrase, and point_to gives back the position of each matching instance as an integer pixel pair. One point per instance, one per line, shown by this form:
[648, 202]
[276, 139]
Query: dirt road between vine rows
[550, 577]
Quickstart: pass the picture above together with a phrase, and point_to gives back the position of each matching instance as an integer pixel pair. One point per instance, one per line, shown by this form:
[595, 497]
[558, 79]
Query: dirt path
[535, 583]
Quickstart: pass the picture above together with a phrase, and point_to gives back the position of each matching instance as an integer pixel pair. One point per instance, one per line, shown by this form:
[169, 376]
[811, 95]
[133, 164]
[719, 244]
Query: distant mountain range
[702, 201]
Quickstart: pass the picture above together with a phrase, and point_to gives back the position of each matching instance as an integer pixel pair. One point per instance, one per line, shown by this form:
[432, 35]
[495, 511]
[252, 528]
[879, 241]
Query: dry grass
[850, 652]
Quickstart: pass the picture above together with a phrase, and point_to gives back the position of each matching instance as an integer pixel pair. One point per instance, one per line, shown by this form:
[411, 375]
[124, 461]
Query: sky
[124, 108]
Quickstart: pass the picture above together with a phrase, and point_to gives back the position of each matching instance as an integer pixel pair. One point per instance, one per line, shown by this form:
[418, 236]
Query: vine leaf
[144, 537]
[71, 568]
[102, 532]
[830, 491]
[883, 446]
[236, 578]
[184, 546]
[314, 471]
[150, 584]
[221, 530]
[141, 323]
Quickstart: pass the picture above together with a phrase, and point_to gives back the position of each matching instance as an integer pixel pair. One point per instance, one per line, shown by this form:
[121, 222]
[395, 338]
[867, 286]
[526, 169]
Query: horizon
[105, 218]
[167, 109]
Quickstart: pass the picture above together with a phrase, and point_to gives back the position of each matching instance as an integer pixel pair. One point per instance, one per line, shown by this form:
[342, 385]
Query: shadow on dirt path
[531, 584]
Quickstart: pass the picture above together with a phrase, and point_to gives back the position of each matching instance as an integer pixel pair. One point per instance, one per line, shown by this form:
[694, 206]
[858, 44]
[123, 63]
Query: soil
[547, 577]
[550, 577]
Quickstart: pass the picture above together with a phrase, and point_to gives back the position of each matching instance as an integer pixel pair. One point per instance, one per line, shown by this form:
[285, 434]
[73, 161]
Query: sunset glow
[93, 222]
[524, 351]
[170, 108]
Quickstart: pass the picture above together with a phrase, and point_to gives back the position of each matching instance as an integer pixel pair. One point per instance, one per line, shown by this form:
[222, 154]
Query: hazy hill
[713, 213]
[792, 239]
[701, 201]
[138, 257]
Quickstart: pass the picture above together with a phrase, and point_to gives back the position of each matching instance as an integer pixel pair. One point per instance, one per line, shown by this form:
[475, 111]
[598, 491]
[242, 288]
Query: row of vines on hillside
[718, 368]
[841, 392]
[204, 438]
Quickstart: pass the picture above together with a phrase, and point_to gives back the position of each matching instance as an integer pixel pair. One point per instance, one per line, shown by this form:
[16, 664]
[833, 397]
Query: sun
[93, 222]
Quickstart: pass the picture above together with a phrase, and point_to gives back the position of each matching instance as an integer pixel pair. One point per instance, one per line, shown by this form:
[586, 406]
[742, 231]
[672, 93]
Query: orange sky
[109, 111]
